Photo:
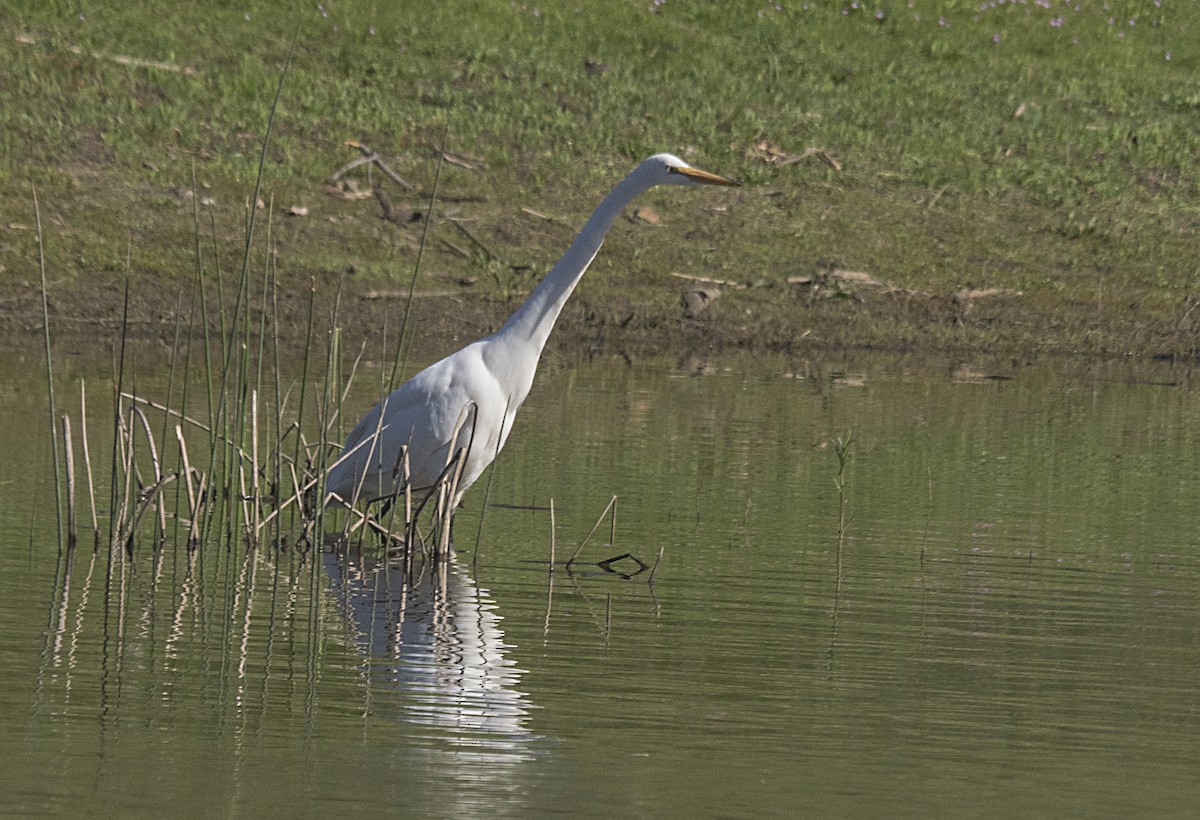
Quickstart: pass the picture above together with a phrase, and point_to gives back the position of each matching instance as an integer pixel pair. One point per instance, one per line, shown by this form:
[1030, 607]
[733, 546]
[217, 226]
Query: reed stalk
[114, 518]
[149, 498]
[193, 498]
[550, 576]
[154, 462]
[487, 491]
[446, 491]
[263, 313]
[174, 370]
[302, 405]
[69, 448]
[400, 475]
[928, 516]
[612, 505]
[124, 469]
[58, 490]
[403, 343]
[234, 370]
[200, 292]
[445, 543]
[841, 449]
[255, 489]
[194, 528]
[553, 536]
[87, 462]
[324, 421]
[277, 474]
[654, 569]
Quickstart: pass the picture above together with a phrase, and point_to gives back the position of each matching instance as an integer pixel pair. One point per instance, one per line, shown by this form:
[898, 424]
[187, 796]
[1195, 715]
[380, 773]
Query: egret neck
[529, 327]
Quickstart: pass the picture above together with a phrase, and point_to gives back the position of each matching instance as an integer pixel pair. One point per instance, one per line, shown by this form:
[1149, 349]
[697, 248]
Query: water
[1010, 626]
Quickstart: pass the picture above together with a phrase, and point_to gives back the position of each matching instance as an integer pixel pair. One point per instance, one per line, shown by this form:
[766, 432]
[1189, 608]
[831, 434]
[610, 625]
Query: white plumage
[479, 389]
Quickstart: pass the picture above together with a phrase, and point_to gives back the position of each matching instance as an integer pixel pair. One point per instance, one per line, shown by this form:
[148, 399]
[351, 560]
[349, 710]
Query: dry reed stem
[366, 521]
[58, 501]
[245, 492]
[187, 473]
[408, 508]
[402, 344]
[126, 469]
[158, 474]
[150, 496]
[240, 452]
[487, 492]
[199, 425]
[401, 477]
[549, 601]
[447, 485]
[611, 506]
[257, 504]
[350, 379]
[550, 572]
[194, 525]
[654, 569]
[69, 448]
[375, 442]
[553, 536]
[451, 498]
[299, 488]
[87, 460]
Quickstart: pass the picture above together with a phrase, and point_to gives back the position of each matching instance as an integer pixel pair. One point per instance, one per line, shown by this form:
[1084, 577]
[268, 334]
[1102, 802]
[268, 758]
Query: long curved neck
[530, 326]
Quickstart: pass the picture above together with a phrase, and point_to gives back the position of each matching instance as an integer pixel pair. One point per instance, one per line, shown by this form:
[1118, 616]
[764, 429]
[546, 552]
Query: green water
[1010, 627]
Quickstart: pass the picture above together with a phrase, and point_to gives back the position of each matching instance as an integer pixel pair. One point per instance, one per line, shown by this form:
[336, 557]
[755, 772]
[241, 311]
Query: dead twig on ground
[370, 157]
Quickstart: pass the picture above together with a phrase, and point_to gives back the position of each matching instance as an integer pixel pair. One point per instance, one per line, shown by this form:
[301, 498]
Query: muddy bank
[670, 316]
[742, 270]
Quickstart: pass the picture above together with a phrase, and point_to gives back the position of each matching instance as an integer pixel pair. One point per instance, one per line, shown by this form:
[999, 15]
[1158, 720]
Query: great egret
[472, 396]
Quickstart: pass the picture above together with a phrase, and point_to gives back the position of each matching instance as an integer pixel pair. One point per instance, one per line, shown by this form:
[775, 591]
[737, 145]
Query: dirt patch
[780, 319]
[693, 280]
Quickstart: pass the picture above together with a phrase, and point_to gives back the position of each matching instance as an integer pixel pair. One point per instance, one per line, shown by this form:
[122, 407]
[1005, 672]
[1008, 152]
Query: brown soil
[800, 317]
[629, 305]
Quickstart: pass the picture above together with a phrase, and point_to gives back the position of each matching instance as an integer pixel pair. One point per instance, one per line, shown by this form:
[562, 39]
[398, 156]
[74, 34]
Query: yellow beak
[705, 177]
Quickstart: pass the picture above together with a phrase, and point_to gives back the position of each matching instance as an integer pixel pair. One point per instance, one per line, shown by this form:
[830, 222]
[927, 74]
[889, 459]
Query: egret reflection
[432, 635]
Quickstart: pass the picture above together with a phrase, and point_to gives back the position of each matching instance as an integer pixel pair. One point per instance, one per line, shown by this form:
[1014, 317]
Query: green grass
[1045, 150]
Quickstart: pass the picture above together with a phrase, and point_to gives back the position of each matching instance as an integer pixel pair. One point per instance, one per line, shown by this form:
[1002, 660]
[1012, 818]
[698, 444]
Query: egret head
[674, 171]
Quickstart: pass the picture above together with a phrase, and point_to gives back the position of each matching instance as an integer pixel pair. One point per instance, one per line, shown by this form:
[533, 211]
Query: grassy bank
[1012, 176]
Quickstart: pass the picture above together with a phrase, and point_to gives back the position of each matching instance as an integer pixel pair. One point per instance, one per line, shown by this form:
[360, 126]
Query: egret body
[478, 390]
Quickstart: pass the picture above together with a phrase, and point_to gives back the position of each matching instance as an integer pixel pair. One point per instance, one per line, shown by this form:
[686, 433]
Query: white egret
[471, 397]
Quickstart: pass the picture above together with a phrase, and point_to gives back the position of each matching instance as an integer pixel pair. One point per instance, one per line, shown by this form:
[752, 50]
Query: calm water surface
[1010, 627]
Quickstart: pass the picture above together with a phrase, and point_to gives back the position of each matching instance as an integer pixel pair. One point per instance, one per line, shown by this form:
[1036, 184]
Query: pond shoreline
[797, 320]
